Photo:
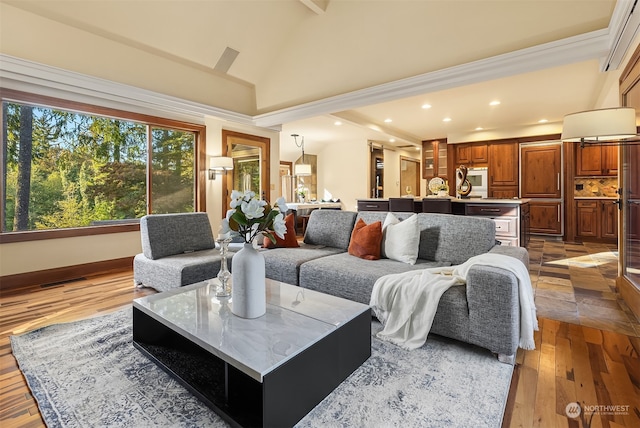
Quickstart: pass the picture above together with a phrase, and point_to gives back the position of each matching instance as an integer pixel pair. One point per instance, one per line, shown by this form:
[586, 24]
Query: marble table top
[296, 318]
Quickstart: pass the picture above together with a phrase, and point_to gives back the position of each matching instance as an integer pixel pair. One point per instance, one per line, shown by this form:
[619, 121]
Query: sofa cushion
[289, 241]
[447, 237]
[453, 238]
[400, 239]
[283, 264]
[330, 228]
[175, 271]
[169, 234]
[366, 240]
[350, 277]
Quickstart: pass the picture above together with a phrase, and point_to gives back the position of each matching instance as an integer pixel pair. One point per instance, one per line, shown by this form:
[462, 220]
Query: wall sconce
[301, 169]
[219, 164]
[604, 126]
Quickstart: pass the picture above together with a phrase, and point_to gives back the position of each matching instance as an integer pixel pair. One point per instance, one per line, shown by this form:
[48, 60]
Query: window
[67, 165]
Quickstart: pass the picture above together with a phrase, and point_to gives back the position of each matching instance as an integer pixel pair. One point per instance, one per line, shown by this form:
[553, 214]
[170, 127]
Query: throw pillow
[289, 241]
[401, 239]
[366, 240]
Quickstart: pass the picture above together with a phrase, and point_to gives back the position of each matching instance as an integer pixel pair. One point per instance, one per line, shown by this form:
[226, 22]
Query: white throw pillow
[401, 239]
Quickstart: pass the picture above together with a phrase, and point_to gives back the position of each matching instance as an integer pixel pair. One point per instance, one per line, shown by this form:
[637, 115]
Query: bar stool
[401, 205]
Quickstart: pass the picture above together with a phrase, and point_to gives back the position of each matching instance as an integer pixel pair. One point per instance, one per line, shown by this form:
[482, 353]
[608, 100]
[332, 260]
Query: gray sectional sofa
[179, 249]
[484, 312]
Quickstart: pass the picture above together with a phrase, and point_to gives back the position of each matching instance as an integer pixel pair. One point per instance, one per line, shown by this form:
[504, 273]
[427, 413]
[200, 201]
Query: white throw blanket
[406, 303]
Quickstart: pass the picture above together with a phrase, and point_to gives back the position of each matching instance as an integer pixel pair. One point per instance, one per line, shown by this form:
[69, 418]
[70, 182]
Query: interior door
[409, 176]
[251, 160]
[628, 281]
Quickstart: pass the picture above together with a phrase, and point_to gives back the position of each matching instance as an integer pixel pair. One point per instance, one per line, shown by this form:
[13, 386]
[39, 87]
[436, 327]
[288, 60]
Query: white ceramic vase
[248, 291]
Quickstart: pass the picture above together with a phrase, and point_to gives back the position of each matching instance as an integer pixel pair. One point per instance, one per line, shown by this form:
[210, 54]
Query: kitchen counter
[462, 201]
[490, 201]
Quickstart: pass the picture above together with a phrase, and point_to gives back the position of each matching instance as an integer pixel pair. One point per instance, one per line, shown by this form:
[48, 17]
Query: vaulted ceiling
[316, 61]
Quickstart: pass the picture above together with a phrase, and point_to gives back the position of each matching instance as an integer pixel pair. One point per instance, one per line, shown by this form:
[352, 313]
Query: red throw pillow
[366, 240]
[289, 241]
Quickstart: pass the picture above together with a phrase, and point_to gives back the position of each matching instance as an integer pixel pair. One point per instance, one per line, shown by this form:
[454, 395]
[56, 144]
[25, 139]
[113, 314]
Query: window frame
[11, 95]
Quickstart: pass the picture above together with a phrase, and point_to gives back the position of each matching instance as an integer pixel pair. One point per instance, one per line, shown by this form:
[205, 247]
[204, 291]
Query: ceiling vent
[226, 60]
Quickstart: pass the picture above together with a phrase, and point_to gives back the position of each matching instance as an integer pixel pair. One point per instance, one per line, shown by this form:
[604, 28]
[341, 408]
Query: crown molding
[561, 52]
[24, 75]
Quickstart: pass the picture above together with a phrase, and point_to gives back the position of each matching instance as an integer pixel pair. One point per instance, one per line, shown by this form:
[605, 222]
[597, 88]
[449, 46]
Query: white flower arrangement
[250, 216]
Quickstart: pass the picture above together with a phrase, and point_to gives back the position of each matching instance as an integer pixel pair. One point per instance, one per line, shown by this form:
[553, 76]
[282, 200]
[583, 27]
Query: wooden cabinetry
[476, 154]
[597, 219]
[503, 170]
[434, 159]
[546, 217]
[596, 160]
[541, 170]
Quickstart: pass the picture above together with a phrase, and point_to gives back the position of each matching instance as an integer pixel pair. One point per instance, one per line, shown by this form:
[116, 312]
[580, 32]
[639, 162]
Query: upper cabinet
[434, 158]
[541, 170]
[596, 160]
[472, 155]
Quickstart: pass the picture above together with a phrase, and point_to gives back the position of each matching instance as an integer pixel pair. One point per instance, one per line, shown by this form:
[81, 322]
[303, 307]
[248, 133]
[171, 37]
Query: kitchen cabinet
[545, 217]
[503, 164]
[373, 204]
[511, 226]
[503, 192]
[596, 160]
[434, 159]
[597, 219]
[541, 171]
[472, 154]
[503, 170]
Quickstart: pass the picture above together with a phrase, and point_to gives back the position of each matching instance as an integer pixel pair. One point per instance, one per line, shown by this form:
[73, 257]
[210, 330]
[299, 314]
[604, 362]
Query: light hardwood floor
[571, 363]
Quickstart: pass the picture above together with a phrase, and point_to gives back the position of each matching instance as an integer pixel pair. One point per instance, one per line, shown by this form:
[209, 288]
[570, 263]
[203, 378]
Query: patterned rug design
[88, 374]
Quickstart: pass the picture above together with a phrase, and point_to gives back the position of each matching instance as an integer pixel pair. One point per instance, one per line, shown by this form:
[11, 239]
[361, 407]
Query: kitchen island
[510, 215]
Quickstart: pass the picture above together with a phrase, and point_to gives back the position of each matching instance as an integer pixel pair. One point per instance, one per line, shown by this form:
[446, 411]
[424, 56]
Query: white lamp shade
[221, 163]
[600, 125]
[302, 169]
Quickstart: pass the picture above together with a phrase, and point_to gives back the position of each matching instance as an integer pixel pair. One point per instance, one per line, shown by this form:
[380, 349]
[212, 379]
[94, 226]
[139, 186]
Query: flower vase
[248, 290]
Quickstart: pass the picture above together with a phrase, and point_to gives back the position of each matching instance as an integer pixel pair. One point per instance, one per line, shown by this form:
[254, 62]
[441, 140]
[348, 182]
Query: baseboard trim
[630, 294]
[66, 273]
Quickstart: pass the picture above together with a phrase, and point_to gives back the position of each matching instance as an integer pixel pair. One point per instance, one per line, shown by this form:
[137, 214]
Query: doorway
[251, 159]
[409, 177]
[376, 169]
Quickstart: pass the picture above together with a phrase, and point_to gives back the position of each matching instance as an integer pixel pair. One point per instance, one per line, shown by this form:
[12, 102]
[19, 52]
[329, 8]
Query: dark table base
[285, 395]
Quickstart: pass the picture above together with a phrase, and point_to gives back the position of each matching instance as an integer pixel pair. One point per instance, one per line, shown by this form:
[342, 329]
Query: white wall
[343, 172]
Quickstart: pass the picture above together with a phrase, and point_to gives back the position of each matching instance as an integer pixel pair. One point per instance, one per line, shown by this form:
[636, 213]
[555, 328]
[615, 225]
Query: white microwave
[479, 179]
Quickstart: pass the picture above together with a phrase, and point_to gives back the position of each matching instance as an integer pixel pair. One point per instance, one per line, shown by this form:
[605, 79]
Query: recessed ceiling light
[388, 120]
[417, 148]
[494, 103]
[446, 119]
[543, 121]
[426, 106]
[479, 128]
[392, 140]
[337, 123]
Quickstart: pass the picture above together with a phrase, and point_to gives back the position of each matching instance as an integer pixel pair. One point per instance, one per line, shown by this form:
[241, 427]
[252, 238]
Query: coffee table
[267, 371]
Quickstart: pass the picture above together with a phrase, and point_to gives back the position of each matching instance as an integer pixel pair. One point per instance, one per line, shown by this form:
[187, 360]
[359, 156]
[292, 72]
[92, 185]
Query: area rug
[88, 374]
